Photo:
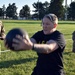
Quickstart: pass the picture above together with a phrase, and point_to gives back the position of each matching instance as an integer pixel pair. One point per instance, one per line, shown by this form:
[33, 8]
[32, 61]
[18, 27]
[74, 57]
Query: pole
[66, 9]
[38, 9]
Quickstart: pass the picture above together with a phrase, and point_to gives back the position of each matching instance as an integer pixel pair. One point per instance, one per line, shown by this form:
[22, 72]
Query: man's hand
[22, 43]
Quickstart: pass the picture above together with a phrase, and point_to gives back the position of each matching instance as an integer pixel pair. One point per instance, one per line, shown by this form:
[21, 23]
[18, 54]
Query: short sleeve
[61, 41]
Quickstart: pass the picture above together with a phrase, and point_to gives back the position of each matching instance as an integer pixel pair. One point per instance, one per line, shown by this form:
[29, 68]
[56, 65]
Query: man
[73, 38]
[2, 31]
[49, 44]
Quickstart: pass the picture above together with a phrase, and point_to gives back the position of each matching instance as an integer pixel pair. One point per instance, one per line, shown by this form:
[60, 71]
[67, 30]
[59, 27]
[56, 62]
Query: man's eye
[46, 24]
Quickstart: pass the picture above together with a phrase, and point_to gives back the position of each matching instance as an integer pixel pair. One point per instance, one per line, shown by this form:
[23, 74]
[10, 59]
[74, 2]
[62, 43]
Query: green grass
[23, 62]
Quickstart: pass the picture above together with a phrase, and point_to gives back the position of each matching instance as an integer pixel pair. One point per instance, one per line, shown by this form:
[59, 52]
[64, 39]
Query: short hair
[52, 17]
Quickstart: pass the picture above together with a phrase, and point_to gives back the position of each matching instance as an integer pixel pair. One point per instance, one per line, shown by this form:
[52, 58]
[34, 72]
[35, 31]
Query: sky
[20, 3]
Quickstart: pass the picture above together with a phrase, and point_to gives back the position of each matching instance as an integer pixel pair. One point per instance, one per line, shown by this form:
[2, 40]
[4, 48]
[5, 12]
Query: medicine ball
[12, 34]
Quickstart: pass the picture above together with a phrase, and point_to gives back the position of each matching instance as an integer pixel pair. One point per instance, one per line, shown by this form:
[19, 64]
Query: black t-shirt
[53, 61]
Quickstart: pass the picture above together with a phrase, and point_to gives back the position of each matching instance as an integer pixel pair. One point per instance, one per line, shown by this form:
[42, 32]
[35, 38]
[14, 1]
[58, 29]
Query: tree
[25, 12]
[1, 12]
[4, 11]
[40, 9]
[11, 11]
[21, 13]
[56, 7]
[46, 6]
[71, 11]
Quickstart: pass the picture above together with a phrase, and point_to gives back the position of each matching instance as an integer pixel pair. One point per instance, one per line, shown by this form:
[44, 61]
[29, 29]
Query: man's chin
[45, 32]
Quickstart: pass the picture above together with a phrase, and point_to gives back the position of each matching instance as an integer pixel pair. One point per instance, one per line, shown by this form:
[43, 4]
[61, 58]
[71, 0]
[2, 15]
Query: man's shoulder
[39, 32]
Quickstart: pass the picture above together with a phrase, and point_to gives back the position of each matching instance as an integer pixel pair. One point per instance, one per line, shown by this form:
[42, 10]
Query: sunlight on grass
[23, 62]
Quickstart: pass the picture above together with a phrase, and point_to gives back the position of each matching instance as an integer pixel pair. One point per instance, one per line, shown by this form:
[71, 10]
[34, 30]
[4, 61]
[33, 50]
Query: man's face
[47, 25]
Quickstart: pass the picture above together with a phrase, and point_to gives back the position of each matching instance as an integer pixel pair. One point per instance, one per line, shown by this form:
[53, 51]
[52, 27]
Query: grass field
[22, 63]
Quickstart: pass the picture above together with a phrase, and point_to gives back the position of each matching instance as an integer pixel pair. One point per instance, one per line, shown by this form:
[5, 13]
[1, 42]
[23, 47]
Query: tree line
[54, 6]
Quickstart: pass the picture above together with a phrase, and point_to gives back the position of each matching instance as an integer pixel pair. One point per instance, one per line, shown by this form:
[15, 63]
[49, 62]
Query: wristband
[33, 47]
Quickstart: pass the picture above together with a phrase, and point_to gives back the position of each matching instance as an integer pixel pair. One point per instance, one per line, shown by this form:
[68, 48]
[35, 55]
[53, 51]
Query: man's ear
[55, 25]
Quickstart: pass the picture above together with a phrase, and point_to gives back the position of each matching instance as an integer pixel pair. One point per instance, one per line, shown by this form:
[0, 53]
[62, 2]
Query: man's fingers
[15, 41]
[15, 46]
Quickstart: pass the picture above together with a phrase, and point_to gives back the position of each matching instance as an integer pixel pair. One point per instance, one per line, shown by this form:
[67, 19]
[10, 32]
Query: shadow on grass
[24, 22]
[39, 22]
[69, 53]
[69, 23]
[36, 22]
[6, 64]
[66, 53]
[67, 34]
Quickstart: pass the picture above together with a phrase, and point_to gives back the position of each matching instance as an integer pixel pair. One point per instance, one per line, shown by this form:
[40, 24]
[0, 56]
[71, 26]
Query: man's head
[49, 23]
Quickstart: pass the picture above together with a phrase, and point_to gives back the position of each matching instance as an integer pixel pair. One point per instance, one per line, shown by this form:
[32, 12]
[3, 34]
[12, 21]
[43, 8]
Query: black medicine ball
[12, 34]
